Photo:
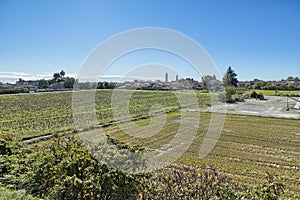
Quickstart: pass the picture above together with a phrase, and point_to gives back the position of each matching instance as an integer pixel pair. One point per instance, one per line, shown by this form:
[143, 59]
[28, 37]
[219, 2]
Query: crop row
[245, 151]
[31, 115]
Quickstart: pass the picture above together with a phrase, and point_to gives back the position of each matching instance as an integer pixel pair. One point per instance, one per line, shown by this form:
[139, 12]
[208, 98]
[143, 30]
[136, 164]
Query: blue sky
[259, 39]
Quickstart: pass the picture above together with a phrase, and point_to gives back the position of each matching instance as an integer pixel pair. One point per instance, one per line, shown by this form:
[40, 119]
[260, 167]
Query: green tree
[290, 78]
[296, 79]
[62, 73]
[229, 78]
[259, 84]
[106, 85]
[43, 84]
[69, 82]
[100, 85]
[56, 76]
[291, 87]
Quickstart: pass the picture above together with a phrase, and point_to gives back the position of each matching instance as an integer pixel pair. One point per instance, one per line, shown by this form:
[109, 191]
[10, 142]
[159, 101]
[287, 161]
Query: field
[248, 148]
[272, 92]
[32, 115]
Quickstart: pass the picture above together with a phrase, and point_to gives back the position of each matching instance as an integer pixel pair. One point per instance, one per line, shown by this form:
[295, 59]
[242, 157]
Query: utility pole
[287, 103]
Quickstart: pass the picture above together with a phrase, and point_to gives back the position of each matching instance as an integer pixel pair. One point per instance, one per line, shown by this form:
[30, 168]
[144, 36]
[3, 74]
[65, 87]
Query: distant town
[61, 82]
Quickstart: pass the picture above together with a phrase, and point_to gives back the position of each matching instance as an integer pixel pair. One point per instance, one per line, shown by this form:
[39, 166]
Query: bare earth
[273, 106]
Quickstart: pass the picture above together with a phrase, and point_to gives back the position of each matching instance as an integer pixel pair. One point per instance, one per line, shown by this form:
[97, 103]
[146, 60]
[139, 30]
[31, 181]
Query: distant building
[56, 86]
[22, 82]
[176, 78]
[33, 83]
[6, 86]
[166, 80]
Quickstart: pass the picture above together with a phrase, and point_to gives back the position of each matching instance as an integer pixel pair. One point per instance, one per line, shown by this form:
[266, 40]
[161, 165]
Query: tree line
[58, 78]
[230, 80]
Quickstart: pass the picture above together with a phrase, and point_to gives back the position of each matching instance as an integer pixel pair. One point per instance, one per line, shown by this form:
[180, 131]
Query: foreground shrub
[64, 169]
[7, 194]
[192, 182]
[184, 182]
[230, 91]
[10, 160]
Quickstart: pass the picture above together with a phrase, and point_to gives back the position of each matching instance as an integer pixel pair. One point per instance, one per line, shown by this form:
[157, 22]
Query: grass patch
[272, 92]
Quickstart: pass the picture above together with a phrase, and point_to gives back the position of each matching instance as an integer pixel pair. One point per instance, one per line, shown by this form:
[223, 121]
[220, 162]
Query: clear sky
[258, 38]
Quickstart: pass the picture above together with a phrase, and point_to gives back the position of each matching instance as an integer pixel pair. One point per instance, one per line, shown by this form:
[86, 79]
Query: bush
[10, 160]
[230, 91]
[7, 194]
[183, 182]
[65, 169]
[257, 96]
[226, 99]
[191, 182]
[14, 91]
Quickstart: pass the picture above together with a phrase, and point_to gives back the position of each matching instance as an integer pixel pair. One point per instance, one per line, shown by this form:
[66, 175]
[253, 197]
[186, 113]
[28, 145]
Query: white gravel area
[272, 106]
